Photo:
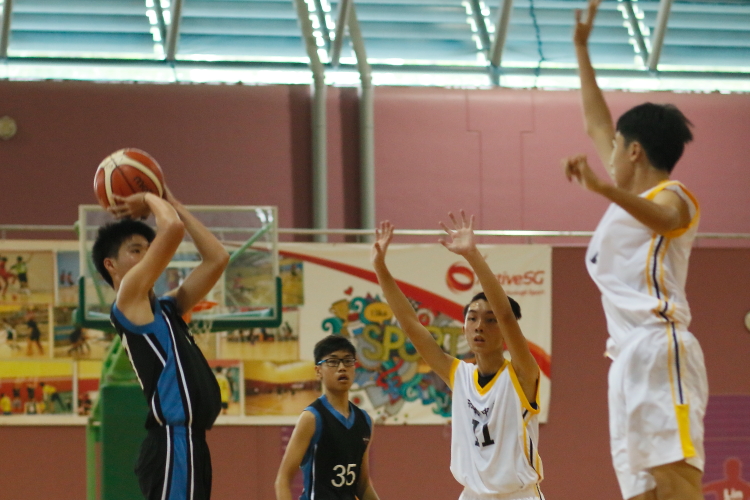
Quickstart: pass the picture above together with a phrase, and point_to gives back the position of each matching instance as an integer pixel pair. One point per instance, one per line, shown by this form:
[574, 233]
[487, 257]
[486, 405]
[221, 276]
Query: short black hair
[481, 296]
[661, 129]
[110, 238]
[333, 343]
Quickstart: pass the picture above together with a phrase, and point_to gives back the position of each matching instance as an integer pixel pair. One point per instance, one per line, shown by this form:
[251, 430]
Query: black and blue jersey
[333, 461]
[183, 399]
[179, 386]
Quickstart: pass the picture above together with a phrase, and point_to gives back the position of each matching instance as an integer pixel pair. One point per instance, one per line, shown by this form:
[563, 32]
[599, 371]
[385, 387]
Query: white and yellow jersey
[640, 274]
[495, 434]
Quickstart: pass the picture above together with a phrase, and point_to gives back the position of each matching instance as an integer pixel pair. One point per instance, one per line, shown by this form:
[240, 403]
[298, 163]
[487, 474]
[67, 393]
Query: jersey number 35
[344, 475]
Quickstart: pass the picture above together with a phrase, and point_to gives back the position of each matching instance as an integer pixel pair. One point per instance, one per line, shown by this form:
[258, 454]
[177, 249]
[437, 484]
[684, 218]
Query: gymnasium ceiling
[706, 45]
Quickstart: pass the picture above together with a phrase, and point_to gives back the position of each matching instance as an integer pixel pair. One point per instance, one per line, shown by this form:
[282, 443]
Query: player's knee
[678, 481]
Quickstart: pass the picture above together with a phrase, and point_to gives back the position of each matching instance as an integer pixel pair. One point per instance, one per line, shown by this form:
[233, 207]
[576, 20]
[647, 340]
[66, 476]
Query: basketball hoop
[202, 326]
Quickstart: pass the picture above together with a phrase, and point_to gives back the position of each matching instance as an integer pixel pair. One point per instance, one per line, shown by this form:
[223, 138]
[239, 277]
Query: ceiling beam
[160, 22]
[321, 14]
[174, 30]
[345, 7]
[657, 42]
[5, 28]
[635, 27]
[481, 23]
[501, 34]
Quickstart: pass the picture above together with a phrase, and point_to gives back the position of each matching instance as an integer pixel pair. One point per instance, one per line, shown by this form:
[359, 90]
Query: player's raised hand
[583, 28]
[130, 207]
[461, 238]
[576, 168]
[383, 237]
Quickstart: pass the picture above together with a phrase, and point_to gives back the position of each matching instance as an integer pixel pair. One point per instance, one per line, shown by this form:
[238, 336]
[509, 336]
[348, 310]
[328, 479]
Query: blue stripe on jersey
[368, 419]
[170, 397]
[346, 422]
[178, 487]
[308, 461]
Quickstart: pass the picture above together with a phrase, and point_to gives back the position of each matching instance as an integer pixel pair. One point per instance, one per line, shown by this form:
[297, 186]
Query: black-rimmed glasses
[334, 362]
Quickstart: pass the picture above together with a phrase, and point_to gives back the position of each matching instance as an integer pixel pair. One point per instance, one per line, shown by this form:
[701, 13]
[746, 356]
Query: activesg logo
[461, 278]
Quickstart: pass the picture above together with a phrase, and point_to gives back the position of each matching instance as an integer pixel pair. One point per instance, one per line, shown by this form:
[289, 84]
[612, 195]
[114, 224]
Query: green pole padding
[115, 430]
[124, 412]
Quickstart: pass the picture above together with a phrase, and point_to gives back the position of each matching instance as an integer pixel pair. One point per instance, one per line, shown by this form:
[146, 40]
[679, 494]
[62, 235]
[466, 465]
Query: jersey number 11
[483, 435]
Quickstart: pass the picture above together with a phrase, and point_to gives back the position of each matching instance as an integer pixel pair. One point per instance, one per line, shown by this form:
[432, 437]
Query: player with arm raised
[638, 257]
[180, 388]
[494, 444]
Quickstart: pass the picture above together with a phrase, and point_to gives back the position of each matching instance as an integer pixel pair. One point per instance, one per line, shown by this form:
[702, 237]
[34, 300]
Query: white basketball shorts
[530, 493]
[657, 400]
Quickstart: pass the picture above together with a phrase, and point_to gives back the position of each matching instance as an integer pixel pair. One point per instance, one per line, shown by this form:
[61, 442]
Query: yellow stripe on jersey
[521, 395]
[682, 411]
[683, 424]
[696, 216]
[452, 372]
[484, 390]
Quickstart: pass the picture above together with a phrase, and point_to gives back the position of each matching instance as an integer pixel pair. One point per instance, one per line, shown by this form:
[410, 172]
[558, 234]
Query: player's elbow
[281, 483]
[593, 129]
[222, 259]
[174, 228]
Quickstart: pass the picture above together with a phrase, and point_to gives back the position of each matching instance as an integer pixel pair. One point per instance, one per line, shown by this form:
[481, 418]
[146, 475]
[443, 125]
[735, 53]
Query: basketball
[126, 172]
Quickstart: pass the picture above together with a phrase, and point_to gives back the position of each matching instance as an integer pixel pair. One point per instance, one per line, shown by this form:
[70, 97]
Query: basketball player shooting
[638, 257]
[494, 443]
[180, 388]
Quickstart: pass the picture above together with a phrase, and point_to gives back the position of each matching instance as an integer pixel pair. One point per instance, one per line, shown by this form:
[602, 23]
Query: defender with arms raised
[494, 444]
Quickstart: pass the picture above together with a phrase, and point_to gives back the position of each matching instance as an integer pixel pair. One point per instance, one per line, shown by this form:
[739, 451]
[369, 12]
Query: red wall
[493, 152]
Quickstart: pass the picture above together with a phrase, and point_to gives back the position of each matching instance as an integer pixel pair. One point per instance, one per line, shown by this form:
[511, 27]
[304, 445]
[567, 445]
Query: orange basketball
[126, 172]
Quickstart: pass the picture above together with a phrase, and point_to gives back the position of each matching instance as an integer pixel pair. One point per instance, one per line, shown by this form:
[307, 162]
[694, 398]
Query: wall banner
[340, 295]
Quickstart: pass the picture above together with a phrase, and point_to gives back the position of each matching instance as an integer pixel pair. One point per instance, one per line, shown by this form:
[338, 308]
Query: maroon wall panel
[42, 462]
[217, 144]
[427, 160]
[495, 153]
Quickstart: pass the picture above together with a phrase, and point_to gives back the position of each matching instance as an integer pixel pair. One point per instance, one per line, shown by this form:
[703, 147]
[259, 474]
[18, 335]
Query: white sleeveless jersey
[640, 274]
[495, 433]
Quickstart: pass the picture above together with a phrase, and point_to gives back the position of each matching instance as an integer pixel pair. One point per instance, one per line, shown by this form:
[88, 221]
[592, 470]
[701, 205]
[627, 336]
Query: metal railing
[518, 233]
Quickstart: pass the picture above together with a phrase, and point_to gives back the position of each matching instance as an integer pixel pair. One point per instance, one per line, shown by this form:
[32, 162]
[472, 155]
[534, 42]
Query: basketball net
[201, 325]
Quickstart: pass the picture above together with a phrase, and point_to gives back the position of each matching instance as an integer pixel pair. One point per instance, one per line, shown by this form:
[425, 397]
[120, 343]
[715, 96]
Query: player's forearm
[402, 309]
[210, 248]
[492, 289]
[396, 299]
[517, 344]
[167, 220]
[660, 219]
[596, 114]
[283, 489]
[368, 493]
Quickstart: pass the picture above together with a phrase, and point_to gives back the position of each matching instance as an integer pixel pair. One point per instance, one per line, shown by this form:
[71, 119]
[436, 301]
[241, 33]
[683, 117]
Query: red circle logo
[459, 278]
